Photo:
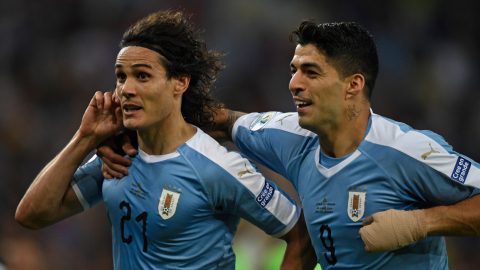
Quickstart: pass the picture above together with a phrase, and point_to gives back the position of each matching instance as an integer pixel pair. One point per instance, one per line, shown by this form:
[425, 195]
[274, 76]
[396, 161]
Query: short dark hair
[348, 47]
[184, 53]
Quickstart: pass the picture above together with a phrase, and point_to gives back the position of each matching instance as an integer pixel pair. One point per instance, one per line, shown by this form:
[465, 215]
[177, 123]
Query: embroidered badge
[356, 205]
[167, 206]
[261, 121]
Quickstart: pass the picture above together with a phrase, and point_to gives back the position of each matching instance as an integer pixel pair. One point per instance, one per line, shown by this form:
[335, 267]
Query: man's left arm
[393, 229]
[299, 253]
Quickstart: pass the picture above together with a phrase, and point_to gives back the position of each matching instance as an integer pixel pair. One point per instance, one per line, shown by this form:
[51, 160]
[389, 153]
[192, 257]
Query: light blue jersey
[394, 167]
[181, 210]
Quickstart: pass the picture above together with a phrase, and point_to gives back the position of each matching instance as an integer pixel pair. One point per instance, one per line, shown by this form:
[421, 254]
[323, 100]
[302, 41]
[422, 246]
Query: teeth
[298, 103]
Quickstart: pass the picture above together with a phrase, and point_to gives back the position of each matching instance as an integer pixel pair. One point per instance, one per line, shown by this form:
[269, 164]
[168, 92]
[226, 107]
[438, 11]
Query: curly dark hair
[347, 46]
[184, 53]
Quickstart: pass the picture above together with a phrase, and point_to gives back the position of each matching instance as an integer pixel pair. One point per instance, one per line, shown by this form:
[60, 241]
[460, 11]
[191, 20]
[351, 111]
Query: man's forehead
[308, 53]
[136, 55]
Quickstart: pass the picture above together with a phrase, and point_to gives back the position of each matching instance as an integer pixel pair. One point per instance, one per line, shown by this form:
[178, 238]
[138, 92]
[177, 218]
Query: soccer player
[376, 193]
[180, 205]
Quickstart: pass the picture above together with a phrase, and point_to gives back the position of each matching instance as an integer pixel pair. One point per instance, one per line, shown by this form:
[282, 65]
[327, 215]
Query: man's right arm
[50, 198]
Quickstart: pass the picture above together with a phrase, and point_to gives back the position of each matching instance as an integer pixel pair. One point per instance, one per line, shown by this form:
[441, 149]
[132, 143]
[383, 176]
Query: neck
[165, 137]
[345, 135]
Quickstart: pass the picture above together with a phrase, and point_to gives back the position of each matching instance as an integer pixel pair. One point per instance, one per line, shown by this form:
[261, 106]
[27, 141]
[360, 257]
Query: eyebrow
[135, 66]
[307, 65]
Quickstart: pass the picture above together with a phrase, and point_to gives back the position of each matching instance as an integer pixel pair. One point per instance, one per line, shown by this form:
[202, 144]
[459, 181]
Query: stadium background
[55, 54]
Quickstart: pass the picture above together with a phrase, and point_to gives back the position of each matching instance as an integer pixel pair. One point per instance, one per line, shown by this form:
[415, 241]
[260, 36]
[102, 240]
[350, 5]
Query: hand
[392, 229]
[115, 165]
[102, 119]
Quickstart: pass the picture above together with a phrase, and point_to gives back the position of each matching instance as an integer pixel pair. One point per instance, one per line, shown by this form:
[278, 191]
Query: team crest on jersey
[356, 205]
[262, 120]
[167, 205]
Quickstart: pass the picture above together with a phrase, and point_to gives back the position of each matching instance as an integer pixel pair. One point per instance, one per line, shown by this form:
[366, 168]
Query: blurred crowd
[54, 55]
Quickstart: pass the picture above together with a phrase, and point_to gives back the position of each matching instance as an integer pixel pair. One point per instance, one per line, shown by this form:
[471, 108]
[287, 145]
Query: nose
[127, 88]
[296, 83]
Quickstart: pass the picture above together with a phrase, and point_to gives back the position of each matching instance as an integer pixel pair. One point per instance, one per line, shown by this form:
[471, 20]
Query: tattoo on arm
[353, 113]
[232, 118]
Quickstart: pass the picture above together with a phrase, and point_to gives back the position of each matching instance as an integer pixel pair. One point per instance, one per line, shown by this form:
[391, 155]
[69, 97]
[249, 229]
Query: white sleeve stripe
[281, 121]
[241, 169]
[294, 219]
[79, 194]
[418, 146]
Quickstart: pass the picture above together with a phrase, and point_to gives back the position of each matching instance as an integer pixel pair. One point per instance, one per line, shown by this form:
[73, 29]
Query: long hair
[184, 53]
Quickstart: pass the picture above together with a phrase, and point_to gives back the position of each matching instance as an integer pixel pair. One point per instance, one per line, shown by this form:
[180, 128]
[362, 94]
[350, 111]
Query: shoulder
[390, 133]
[423, 146]
[205, 150]
[272, 121]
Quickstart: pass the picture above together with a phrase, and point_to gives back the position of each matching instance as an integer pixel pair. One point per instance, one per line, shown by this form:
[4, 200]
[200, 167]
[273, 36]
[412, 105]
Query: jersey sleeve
[424, 166]
[233, 184]
[273, 139]
[87, 183]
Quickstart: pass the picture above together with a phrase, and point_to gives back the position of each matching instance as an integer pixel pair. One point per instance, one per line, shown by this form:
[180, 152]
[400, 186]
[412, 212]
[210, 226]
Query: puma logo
[424, 156]
[240, 174]
[281, 120]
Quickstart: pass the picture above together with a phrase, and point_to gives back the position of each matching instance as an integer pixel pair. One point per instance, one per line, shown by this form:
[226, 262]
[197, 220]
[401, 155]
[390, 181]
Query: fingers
[128, 147]
[367, 221]
[107, 154]
[98, 100]
[114, 165]
[115, 97]
[107, 102]
[108, 173]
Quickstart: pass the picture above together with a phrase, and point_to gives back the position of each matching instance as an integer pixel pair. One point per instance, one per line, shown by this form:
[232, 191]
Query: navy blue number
[330, 248]
[142, 217]
[127, 218]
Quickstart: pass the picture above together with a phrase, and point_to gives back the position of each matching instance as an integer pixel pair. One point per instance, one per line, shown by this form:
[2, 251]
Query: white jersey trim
[234, 164]
[292, 223]
[282, 121]
[335, 169]
[79, 194]
[156, 158]
[418, 146]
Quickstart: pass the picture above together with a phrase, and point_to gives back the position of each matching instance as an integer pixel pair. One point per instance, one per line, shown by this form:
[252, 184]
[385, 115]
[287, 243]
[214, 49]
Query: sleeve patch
[262, 120]
[460, 171]
[265, 195]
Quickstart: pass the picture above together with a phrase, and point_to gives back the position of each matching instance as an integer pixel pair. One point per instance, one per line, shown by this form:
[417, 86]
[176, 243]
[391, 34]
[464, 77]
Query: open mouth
[302, 104]
[131, 108]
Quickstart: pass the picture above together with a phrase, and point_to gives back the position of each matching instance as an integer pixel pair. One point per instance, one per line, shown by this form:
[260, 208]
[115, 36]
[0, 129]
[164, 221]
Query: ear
[181, 84]
[356, 83]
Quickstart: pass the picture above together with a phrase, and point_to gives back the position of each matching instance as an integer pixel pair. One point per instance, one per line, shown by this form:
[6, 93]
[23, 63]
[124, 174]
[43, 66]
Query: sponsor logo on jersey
[460, 171]
[240, 174]
[424, 156]
[262, 120]
[265, 195]
[167, 206]
[356, 204]
[281, 120]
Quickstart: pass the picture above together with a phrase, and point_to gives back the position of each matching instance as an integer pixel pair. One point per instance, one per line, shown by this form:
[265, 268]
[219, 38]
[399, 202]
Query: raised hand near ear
[102, 119]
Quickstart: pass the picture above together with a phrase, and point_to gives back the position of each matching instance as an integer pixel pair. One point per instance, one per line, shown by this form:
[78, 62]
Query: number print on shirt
[330, 248]
[142, 217]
